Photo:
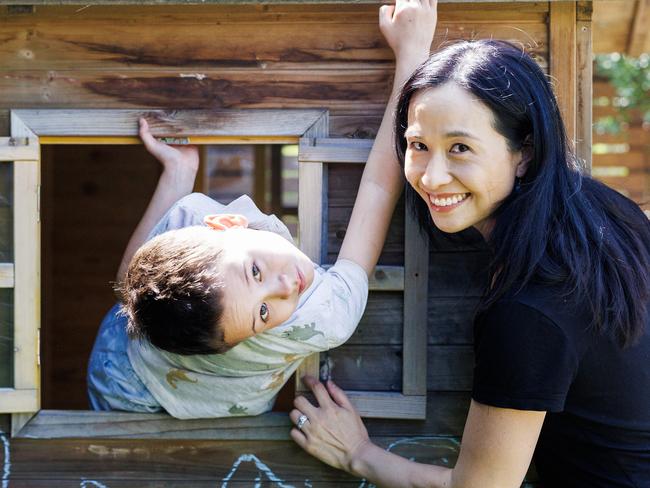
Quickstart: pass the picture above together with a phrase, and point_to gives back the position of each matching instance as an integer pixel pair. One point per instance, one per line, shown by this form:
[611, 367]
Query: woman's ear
[225, 221]
[526, 157]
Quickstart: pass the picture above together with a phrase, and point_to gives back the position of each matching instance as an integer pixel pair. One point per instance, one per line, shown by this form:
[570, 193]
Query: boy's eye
[264, 312]
[418, 146]
[459, 148]
[256, 273]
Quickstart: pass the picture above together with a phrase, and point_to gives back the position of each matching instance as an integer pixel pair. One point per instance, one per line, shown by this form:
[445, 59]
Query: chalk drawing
[87, 483]
[6, 463]
[244, 458]
[251, 458]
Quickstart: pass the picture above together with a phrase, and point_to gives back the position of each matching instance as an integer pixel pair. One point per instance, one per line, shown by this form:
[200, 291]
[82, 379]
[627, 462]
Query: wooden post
[563, 55]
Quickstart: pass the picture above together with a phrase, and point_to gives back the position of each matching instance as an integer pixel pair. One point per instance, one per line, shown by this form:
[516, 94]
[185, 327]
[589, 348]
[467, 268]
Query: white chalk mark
[198, 76]
[6, 464]
[251, 458]
[86, 483]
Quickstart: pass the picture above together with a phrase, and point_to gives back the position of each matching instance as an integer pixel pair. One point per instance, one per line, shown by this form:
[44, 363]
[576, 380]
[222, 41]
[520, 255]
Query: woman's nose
[436, 174]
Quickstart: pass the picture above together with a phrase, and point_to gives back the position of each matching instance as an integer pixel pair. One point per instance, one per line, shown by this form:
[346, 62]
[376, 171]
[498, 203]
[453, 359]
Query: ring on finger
[302, 420]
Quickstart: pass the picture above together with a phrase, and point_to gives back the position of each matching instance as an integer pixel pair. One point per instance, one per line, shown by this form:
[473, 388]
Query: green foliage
[631, 79]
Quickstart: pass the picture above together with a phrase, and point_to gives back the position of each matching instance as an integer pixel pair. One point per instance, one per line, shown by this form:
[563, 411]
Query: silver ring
[301, 421]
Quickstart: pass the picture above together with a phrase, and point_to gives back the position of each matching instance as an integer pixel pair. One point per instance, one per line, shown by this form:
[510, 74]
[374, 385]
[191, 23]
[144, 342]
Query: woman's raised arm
[408, 27]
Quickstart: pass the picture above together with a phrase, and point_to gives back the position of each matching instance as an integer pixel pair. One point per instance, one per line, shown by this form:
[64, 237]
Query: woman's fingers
[299, 438]
[303, 405]
[321, 394]
[339, 396]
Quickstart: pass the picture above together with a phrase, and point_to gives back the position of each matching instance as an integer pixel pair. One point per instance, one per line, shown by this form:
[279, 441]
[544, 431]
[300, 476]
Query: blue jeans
[112, 382]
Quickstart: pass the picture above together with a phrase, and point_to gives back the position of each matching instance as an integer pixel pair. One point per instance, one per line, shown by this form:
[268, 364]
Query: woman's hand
[334, 432]
[177, 160]
[408, 27]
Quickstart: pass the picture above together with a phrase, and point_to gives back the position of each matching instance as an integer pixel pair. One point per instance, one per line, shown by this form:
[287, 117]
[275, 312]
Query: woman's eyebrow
[460, 133]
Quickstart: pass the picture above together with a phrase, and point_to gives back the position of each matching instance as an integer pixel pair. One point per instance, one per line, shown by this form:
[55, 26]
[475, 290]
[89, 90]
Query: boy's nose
[286, 286]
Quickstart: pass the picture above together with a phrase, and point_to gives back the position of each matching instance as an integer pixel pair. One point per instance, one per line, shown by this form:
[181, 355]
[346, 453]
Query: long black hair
[558, 226]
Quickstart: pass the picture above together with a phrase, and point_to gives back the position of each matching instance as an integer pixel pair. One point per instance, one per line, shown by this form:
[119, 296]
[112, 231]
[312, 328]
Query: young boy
[223, 307]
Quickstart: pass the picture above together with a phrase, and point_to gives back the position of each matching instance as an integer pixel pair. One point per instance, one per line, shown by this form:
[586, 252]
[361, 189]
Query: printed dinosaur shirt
[246, 379]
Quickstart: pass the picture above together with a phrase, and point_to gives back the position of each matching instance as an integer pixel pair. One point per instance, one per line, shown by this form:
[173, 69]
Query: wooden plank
[612, 18]
[416, 277]
[563, 55]
[61, 424]
[6, 275]
[312, 217]
[334, 150]
[388, 405]
[584, 59]
[19, 149]
[384, 278]
[54, 122]
[639, 40]
[446, 412]
[379, 368]
[27, 286]
[18, 400]
[134, 37]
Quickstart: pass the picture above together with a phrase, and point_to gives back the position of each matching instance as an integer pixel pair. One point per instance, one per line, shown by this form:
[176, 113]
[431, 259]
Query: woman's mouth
[447, 202]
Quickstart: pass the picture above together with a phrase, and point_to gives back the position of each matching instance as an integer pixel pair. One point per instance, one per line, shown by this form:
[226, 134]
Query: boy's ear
[225, 221]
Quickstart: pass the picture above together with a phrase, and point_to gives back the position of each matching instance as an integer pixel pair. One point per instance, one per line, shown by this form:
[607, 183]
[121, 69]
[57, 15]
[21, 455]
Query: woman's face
[455, 159]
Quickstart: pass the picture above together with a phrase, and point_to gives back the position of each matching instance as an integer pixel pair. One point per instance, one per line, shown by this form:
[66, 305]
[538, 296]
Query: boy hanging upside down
[219, 307]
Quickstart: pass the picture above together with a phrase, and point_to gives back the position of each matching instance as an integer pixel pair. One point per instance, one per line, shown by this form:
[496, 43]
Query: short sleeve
[523, 360]
[349, 294]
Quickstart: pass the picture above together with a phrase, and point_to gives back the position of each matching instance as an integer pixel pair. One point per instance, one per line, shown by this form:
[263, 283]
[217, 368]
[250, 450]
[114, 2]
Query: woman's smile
[446, 202]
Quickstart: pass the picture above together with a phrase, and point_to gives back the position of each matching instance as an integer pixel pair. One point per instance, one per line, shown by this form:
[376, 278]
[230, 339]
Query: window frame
[307, 127]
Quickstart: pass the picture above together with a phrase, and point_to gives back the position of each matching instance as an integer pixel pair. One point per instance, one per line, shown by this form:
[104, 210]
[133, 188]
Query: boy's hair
[172, 295]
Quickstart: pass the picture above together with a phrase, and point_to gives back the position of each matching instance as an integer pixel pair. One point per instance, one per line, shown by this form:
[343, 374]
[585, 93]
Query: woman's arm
[180, 165]
[497, 447]
[408, 26]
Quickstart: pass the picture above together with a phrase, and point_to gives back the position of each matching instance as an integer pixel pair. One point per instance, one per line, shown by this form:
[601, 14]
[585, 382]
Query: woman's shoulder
[542, 306]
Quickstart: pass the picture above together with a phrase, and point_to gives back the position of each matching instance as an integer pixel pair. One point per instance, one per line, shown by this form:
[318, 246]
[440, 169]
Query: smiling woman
[562, 334]
[456, 160]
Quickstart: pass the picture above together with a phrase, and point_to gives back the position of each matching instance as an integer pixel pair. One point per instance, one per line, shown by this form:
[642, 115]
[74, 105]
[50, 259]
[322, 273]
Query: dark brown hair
[172, 295]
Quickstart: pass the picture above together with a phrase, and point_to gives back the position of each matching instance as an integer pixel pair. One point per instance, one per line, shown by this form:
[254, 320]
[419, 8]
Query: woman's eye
[418, 146]
[459, 148]
[256, 273]
[264, 312]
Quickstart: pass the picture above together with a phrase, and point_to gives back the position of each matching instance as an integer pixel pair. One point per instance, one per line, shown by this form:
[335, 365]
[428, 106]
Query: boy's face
[263, 276]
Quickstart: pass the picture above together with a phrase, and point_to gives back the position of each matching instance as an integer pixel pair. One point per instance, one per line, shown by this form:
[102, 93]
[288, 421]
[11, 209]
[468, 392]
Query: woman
[561, 337]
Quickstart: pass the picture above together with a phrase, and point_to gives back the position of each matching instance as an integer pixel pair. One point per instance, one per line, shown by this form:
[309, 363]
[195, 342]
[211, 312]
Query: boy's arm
[180, 165]
[408, 27]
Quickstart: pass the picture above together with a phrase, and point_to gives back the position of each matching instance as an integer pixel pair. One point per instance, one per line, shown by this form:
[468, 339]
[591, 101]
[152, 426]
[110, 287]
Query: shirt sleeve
[349, 294]
[523, 360]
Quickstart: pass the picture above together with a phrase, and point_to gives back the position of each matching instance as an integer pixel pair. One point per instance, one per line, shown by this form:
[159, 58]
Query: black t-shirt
[536, 351]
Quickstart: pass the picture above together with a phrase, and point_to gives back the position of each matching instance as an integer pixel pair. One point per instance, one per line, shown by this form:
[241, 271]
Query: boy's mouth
[301, 281]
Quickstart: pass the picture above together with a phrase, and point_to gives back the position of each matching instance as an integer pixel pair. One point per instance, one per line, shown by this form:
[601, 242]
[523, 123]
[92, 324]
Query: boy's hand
[408, 27]
[175, 159]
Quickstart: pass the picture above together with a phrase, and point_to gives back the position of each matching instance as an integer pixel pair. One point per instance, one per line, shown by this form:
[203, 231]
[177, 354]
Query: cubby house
[284, 97]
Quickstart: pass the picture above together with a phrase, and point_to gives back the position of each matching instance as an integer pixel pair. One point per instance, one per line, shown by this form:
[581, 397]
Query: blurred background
[621, 97]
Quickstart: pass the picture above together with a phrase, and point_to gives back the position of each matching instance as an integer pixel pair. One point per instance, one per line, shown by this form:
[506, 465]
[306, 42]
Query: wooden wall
[252, 56]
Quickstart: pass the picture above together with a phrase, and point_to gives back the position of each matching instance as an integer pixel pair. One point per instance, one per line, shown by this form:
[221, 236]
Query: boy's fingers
[386, 14]
[339, 395]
